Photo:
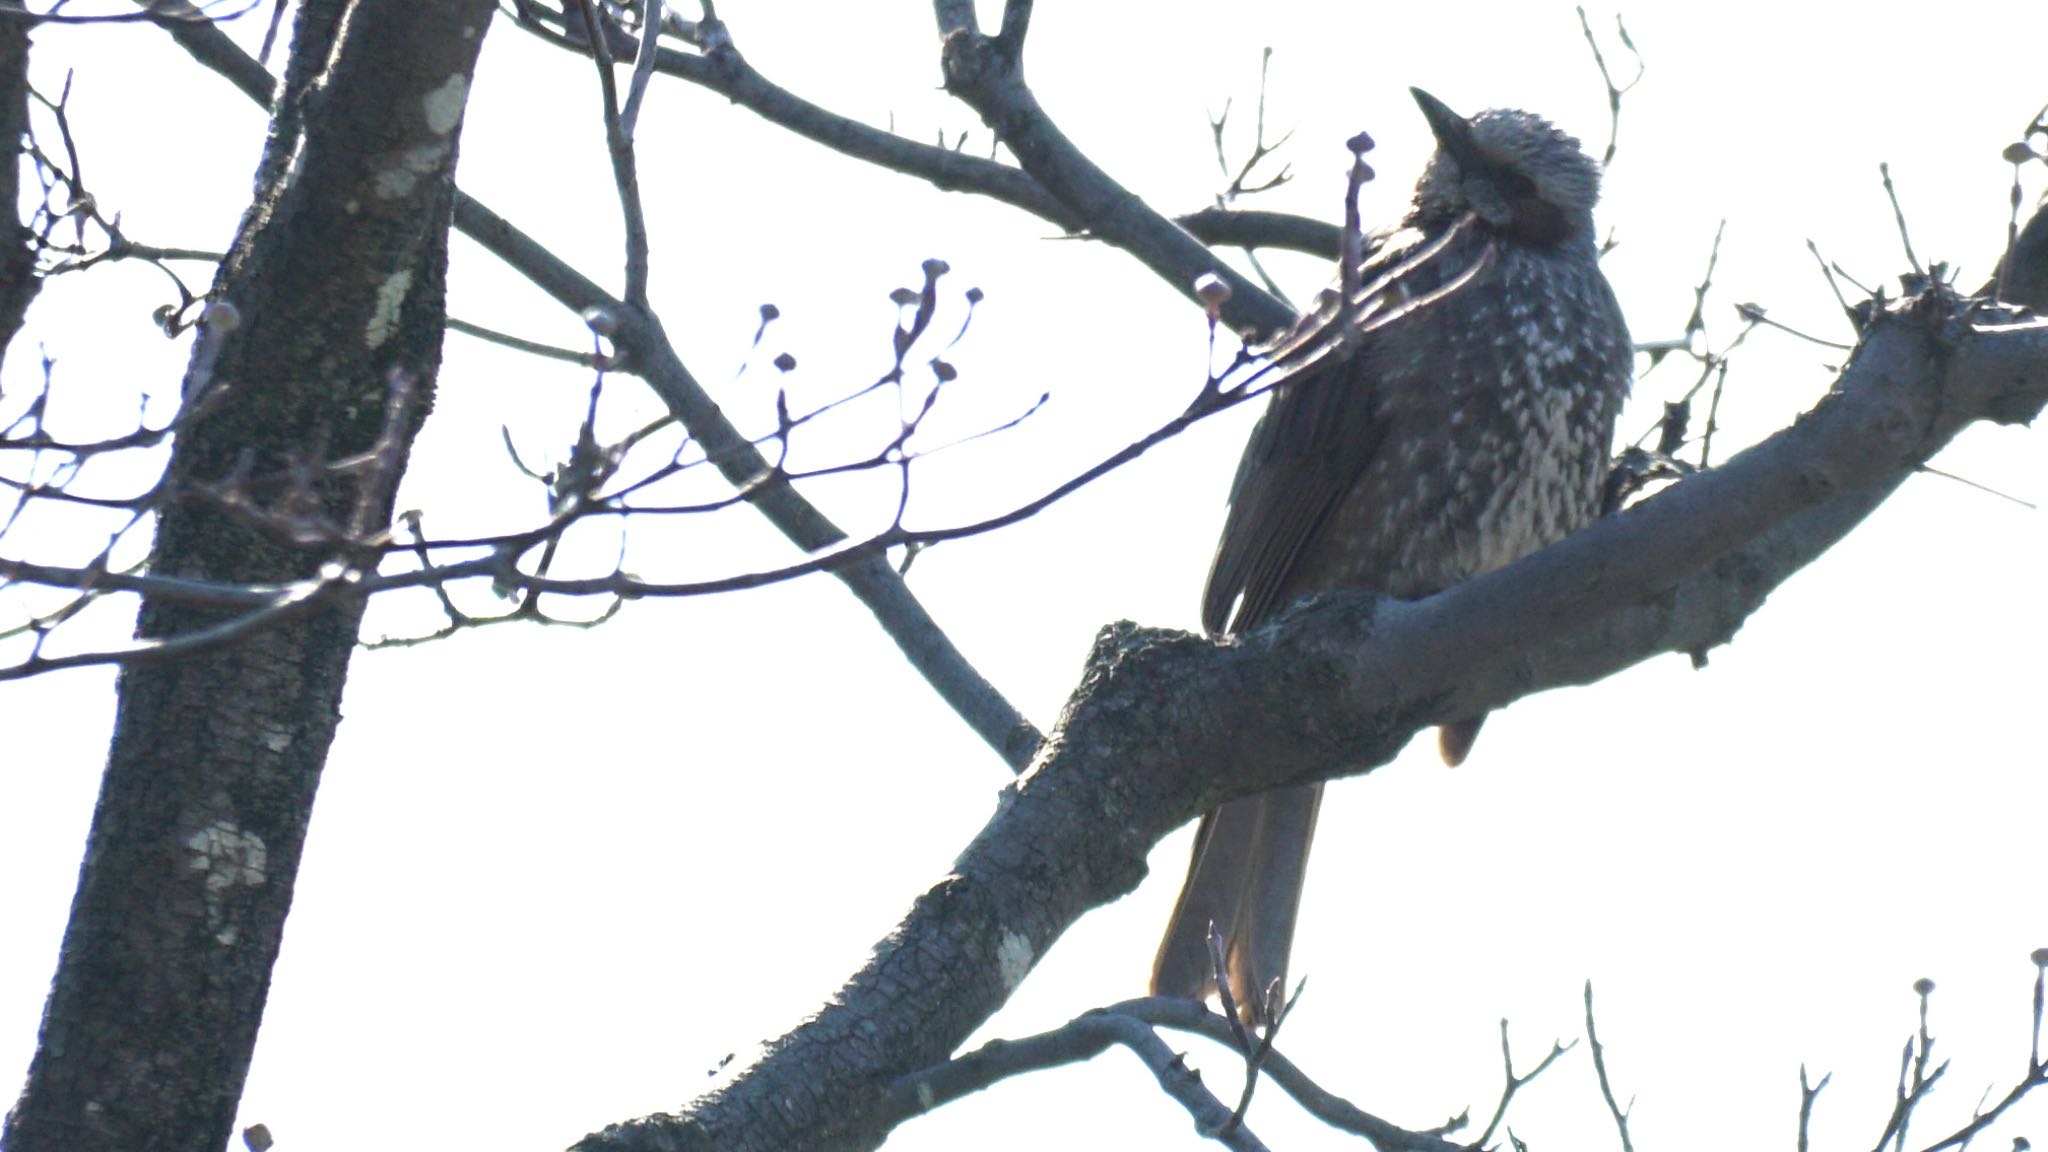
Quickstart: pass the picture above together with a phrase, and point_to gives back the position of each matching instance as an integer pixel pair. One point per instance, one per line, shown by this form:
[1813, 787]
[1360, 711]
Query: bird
[1447, 410]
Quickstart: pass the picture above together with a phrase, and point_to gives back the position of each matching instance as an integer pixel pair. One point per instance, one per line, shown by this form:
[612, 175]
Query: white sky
[554, 876]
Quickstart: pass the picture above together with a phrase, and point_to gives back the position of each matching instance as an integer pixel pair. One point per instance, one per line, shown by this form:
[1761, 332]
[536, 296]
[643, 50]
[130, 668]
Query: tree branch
[1256, 228]
[1165, 725]
[1129, 1024]
[646, 351]
[725, 71]
[987, 74]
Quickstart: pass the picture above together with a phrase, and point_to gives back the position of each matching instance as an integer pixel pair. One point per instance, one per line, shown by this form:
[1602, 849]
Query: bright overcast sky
[555, 876]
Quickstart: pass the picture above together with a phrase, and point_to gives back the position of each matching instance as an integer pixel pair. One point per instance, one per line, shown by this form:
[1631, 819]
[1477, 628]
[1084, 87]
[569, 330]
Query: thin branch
[1600, 1069]
[531, 347]
[299, 599]
[2036, 1075]
[1915, 1083]
[643, 66]
[625, 174]
[1757, 314]
[1966, 482]
[1514, 1083]
[2018, 153]
[873, 581]
[1899, 215]
[721, 68]
[1239, 179]
[1254, 228]
[1807, 1094]
[1828, 273]
[1090, 1033]
[158, 11]
[1081, 1038]
[1614, 91]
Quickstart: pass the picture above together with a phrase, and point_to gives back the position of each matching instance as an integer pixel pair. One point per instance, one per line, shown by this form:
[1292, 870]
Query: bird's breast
[1500, 419]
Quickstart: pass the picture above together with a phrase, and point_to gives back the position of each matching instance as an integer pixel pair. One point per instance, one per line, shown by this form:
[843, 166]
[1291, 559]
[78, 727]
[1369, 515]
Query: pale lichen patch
[394, 183]
[443, 105]
[400, 179]
[384, 315]
[228, 856]
[1013, 959]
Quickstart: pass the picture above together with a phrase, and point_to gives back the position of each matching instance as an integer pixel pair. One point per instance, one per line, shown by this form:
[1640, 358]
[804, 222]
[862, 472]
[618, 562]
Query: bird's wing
[1328, 416]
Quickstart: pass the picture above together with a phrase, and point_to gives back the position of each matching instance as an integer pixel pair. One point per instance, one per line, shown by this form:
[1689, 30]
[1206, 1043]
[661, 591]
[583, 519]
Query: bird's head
[1513, 169]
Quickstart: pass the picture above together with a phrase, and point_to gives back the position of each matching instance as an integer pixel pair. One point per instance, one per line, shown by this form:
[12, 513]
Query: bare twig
[1807, 1094]
[2019, 153]
[286, 605]
[1239, 179]
[1899, 215]
[1614, 91]
[531, 347]
[1514, 1083]
[1828, 271]
[1714, 409]
[1757, 313]
[1966, 482]
[643, 67]
[625, 175]
[2035, 1077]
[1915, 1081]
[1090, 1033]
[1614, 1109]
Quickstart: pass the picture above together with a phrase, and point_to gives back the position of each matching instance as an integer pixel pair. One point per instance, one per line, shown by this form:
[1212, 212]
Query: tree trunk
[18, 279]
[336, 291]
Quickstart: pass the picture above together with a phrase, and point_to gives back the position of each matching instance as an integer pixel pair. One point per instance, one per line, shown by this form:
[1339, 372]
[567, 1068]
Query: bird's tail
[1250, 859]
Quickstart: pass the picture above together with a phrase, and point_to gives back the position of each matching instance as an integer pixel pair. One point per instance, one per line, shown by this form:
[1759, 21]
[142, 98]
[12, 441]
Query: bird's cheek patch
[1536, 221]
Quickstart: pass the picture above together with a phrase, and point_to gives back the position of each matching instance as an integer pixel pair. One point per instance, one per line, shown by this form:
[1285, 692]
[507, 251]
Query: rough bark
[336, 281]
[18, 279]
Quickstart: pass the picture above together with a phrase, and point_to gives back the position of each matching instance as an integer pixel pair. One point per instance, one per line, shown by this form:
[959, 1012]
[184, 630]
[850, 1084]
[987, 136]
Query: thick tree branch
[1256, 228]
[210, 46]
[1165, 725]
[721, 68]
[987, 73]
[649, 353]
[725, 71]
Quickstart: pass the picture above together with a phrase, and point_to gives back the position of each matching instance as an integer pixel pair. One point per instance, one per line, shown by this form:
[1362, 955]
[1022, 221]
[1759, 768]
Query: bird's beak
[1453, 133]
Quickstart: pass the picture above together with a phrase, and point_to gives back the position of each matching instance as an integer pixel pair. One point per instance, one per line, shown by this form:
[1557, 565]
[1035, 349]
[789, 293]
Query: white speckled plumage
[1409, 447]
[1493, 413]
